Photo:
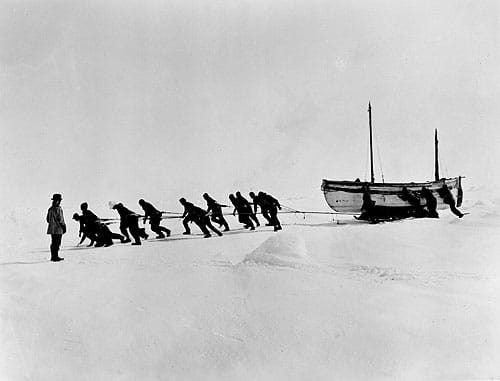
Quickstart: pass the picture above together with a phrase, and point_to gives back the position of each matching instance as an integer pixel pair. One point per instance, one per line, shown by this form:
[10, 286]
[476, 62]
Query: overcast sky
[119, 100]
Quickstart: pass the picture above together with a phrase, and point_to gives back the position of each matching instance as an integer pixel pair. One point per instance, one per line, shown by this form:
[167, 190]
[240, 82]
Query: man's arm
[84, 236]
[60, 220]
[275, 202]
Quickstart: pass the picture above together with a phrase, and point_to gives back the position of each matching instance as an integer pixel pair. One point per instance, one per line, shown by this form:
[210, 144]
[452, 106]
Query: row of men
[417, 209]
[97, 230]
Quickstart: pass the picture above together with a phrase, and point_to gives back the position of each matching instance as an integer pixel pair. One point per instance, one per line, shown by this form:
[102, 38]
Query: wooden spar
[371, 142]
[436, 156]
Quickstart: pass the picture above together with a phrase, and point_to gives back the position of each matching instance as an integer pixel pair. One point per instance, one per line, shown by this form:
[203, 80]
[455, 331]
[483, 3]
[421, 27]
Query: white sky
[120, 100]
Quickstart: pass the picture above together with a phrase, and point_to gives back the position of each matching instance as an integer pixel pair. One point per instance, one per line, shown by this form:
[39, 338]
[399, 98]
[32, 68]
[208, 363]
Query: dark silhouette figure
[271, 205]
[154, 219]
[430, 203]
[410, 197]
[244, 212]
[259, 202]
[193, 213]
[416, 209]
[83, 233]
[56, 228]
[89, 223]
[103, 235]
[448, 199]
[247, 207]
[130, 220]
[88, 216]
[214, 209]
[367, 208]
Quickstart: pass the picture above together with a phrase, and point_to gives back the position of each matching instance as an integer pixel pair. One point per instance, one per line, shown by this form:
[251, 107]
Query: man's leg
[185, 223]
[455, 211]
[54, 247]
[123, 230]
[266, 215]
[134, 230]
[202, 225]
[155, 227]
[212, 227]
[253, 216]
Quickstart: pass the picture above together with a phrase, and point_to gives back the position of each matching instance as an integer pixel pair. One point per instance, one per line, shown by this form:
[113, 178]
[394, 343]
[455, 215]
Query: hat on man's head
[56, 197]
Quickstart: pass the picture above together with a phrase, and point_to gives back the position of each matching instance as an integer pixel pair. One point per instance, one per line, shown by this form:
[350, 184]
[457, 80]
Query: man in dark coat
[83, 232]
[214, 209]
[87, 215]
[367, 208]
[154, 219]
[244, 212]
[247, 207]
[259, 202]
[130, 220]
[448, 199]
[193, 213]
[271, 205]
[430, 203]
[56, 228]
[416, 209]
[101, 233]
[88, 222]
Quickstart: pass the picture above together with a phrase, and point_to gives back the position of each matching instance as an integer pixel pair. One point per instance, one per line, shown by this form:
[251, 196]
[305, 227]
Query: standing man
[56, 228]
[154, 219]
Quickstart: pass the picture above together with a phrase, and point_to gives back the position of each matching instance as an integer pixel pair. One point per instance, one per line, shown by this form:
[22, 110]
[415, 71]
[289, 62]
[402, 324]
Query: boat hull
[347, 196]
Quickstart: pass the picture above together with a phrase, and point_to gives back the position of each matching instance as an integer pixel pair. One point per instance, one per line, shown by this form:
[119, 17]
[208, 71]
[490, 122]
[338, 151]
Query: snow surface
[320, 300]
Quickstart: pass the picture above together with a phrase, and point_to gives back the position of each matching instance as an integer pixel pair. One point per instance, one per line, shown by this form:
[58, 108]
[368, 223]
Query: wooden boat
[347, 196]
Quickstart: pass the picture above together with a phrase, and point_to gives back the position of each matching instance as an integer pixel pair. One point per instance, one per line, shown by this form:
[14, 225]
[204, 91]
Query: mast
[371, 142]
[436, 157]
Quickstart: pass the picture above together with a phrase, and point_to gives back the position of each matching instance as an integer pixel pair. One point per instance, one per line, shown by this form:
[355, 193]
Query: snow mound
[283, 249]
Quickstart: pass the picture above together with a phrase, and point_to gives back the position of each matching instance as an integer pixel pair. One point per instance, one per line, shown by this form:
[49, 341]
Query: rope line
[290, 210]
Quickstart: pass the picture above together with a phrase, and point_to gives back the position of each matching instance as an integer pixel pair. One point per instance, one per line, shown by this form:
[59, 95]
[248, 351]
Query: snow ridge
[284, 249]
